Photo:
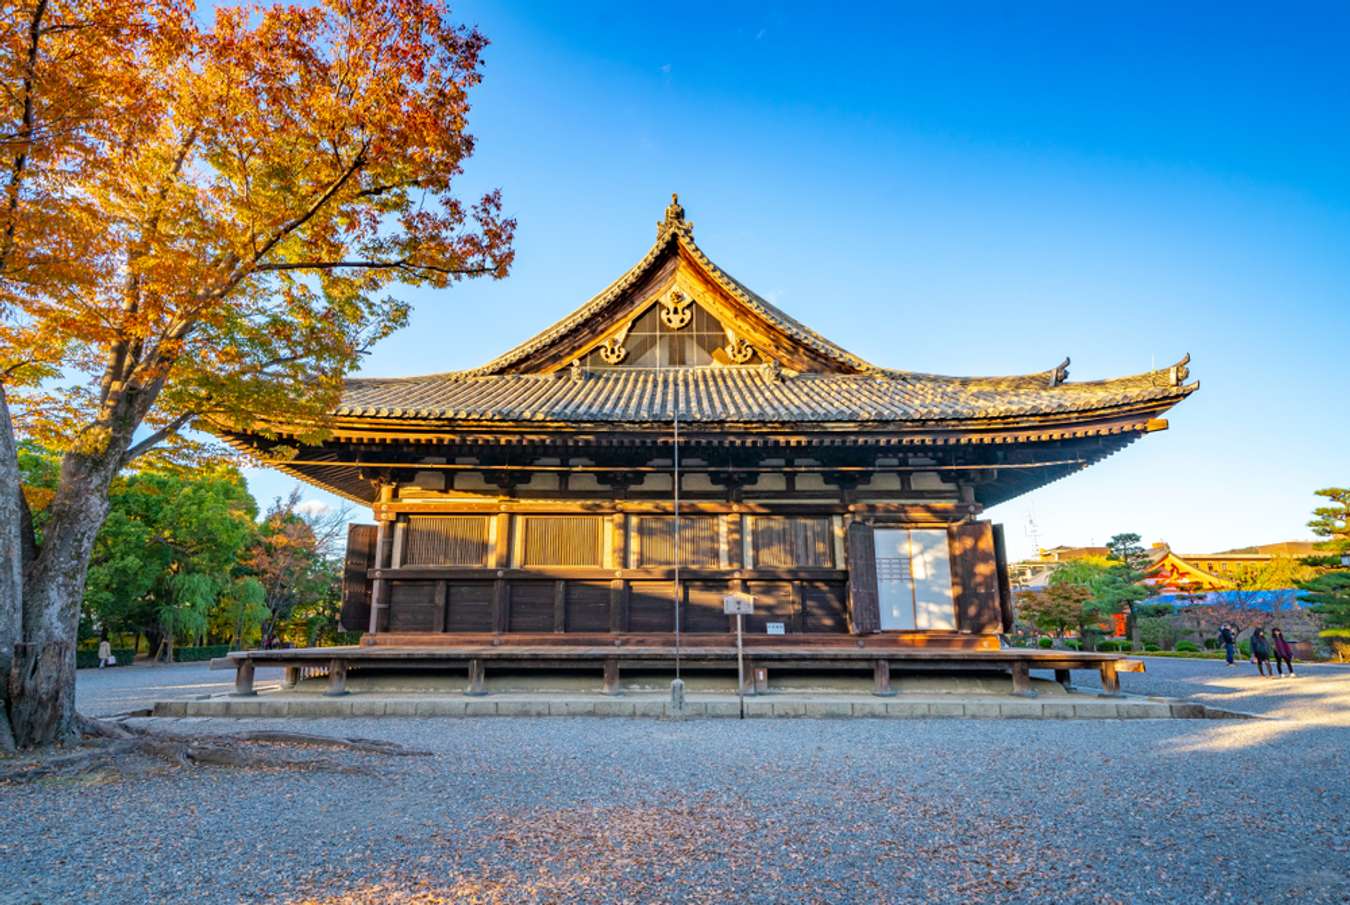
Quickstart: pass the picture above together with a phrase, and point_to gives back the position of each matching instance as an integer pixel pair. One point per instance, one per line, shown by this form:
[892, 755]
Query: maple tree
[294, 560]
[199, 223]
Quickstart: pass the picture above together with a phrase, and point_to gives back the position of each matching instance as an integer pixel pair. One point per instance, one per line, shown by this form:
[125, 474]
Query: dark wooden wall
[581, 594]
[590, 606]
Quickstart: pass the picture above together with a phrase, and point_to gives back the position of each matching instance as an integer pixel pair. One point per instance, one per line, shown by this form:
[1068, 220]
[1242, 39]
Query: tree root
[128, 749]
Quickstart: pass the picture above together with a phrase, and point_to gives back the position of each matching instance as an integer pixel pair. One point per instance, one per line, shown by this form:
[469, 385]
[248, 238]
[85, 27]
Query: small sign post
[740, 605]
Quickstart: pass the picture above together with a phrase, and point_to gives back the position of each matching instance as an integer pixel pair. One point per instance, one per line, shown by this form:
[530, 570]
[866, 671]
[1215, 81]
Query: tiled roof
[746, 395]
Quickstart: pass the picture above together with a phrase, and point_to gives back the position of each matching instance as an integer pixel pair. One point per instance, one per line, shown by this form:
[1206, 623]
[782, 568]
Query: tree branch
[25, 132]
[159, 436]
[401, 264]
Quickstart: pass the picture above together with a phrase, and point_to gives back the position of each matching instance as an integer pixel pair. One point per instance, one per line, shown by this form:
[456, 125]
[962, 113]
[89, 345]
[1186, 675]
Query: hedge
[1114, 645]
[1046, 642]
[195, 654]
[1188, 646]
[88, 659]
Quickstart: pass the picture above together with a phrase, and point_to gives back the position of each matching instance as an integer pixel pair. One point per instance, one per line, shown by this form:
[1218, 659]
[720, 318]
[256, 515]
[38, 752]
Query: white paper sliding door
[895, 587]
[914, 579]
[931, 568]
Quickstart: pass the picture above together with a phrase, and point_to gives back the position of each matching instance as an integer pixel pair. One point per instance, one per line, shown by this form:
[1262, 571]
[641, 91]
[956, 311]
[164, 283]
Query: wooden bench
[335, 662]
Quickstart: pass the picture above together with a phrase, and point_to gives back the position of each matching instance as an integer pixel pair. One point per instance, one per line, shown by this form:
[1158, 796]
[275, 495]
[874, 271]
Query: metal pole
[676, 462]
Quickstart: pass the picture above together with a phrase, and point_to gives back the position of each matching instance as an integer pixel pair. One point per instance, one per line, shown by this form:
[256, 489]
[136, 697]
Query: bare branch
[401, 264]
[157, 437]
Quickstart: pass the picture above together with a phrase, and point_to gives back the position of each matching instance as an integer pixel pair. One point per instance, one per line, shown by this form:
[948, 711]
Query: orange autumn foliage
[202, 221]
[210, 216]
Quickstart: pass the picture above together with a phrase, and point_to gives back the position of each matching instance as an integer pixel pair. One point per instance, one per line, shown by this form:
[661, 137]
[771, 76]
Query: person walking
[1229, 641]
[105, 654]
[1284, 651]
[1261, 653]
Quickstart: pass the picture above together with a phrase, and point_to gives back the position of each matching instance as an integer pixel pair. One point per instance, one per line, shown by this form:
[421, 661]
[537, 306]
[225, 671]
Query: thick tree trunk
[42, 686]
[11, 565]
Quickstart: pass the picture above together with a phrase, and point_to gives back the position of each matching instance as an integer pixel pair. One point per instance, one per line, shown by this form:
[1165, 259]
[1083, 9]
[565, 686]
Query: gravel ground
[587, 810]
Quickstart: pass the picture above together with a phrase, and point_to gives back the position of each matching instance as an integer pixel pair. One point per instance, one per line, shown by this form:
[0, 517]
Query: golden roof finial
[674, 218]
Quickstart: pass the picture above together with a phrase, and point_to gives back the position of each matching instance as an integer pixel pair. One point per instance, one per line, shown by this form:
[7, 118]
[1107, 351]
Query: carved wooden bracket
[737, 349]
[612, 350]
[677, 309]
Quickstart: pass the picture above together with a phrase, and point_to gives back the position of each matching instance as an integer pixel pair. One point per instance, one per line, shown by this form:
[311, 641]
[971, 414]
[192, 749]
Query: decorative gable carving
[676, 309]
[682, 290]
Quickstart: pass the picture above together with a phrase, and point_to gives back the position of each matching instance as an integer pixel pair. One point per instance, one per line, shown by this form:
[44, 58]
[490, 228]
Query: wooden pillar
[618, 605]
[735, 545]
[440, 600]
[1062, 677]
[243, 679]
[881, 673]
[618, 527]
[1021, 679]
[1110, 681]
[476, 677]
[759, 679]
[337, 678]
[501, 560]
[290, 677]
[611, 676]
[379, 588]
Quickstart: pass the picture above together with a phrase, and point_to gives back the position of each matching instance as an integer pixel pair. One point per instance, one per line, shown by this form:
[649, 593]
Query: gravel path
[586, 810]
[105, 692]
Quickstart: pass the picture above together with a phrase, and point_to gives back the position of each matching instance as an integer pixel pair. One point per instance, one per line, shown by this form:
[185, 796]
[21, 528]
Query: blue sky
[980, 190]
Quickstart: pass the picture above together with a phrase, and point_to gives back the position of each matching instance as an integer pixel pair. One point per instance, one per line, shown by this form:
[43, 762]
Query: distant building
[1201, 573]
[1170, 573]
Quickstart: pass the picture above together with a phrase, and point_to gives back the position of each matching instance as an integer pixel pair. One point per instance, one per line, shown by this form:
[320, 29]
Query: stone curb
[359, 706]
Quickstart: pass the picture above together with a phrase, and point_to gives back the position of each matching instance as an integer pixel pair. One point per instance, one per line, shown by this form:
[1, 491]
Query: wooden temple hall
[525, 510]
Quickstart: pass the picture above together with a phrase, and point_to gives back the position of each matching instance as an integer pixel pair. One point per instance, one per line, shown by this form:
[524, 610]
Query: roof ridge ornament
[1060, 373]
[674, 218]
[1180, 371]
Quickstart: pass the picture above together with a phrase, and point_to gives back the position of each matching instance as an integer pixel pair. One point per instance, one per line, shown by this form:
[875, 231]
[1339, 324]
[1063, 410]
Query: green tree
[1127, 550]
[175, 547]
[1329, 591]
[1329, 595]
[294, 560]
[1058, 608]
[1333, 521]
[1125, 586]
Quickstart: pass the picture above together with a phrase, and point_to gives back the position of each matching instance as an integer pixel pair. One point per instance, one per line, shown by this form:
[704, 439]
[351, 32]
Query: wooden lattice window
[654, 541]
[446, 540]
[787, 542]
[557, 540]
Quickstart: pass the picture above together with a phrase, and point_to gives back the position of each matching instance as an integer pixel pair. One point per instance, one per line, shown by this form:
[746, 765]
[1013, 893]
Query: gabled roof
[674, 242]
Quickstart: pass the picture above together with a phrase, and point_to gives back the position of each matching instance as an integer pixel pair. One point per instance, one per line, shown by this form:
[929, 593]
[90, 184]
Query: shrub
[88, 659]
[1211, 644]
[1073, 644]
[196, 654]
[1046, 642]
[1149, 648]
[1188, 646]
[1338, 640]
[1245, 648]
[1114, 645]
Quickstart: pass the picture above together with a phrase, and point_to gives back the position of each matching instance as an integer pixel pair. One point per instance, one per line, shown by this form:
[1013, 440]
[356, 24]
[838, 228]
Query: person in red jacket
[1284, 652]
